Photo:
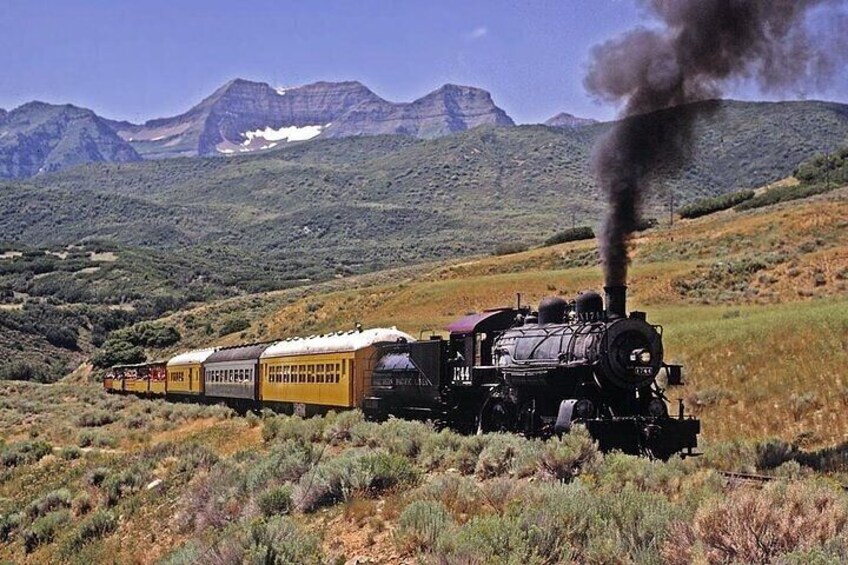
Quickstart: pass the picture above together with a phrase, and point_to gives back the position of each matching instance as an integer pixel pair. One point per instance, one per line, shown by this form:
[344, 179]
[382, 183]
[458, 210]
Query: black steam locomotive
[539, 373]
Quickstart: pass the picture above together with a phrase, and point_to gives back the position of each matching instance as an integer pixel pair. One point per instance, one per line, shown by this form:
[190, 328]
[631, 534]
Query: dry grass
[769, 363]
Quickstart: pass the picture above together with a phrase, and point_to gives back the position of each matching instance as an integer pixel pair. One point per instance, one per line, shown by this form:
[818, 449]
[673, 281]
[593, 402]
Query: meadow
[753, 303]
[91, 477]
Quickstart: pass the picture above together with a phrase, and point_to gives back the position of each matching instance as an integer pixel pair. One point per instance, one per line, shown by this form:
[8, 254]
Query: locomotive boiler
[540, 372]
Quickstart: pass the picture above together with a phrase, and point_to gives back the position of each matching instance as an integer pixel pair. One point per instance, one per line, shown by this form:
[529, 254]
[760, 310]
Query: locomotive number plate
[643, 371]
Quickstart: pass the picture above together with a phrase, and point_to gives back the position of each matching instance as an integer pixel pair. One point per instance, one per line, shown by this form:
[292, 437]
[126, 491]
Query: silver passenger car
[232, 372]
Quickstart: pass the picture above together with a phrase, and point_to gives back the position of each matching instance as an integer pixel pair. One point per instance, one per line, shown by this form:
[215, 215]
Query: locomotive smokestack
[616, 301]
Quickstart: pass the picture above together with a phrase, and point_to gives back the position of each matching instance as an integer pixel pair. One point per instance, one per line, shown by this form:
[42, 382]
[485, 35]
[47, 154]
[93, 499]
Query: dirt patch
[359, 534]
[184, 431]
[105, 257]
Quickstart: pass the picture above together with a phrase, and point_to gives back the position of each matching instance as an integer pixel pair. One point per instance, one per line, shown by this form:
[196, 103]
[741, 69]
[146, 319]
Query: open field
[88, 477]
[754, 304]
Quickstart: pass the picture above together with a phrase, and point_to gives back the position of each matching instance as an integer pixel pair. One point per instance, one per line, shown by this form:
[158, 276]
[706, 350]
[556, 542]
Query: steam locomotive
[509, 370]
[540, 373]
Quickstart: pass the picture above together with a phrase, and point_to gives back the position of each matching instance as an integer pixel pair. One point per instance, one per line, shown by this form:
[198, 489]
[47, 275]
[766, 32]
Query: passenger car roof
[335, 342]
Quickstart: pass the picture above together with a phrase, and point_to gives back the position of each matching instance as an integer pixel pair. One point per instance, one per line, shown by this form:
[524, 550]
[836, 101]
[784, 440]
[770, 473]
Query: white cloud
[478, 33]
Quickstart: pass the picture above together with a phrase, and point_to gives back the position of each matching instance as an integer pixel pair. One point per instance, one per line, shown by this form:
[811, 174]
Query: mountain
[357, 204]
[39, 137]
[450, 109]
[566, 120]
[244, 116]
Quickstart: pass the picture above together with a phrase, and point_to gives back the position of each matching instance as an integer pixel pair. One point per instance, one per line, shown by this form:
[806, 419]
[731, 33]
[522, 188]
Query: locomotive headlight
[642, 356]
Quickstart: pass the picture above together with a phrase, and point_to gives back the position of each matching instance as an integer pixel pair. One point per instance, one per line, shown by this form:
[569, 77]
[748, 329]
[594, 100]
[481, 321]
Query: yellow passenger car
[330, 371]
[116, 383]
[156, 375]
[135, 378]
[185, 372]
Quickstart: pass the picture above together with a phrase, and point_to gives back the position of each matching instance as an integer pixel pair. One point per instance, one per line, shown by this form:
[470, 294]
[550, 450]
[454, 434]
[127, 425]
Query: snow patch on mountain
[285, 133]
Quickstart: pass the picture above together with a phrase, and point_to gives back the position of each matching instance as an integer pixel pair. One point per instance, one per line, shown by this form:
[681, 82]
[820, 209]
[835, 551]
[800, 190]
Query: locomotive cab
[472, 337]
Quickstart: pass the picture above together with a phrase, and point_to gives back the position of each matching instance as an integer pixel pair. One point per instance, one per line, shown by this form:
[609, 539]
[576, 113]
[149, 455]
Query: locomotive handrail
[547, 333]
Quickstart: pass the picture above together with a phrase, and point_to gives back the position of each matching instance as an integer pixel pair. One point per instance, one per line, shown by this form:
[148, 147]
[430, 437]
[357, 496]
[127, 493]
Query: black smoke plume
[700, 46]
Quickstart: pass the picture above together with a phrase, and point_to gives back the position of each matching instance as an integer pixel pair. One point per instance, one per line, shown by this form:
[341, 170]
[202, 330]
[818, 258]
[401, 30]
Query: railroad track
[757, 479]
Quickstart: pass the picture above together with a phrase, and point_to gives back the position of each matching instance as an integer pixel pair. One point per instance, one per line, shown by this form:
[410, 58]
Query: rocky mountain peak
[566, 120]
[243, 116]
[40, 137]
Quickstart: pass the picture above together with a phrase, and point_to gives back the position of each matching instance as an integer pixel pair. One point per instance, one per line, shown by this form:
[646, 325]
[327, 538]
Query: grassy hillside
[745, 299]
[361, 204]
[58, 303]
[753, 303]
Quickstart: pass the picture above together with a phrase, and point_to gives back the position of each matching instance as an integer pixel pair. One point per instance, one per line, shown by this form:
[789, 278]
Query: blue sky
[144, 59]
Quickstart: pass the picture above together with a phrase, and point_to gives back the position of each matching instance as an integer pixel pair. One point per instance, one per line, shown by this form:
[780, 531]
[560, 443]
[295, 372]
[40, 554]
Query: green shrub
[63, 336]
[439, 450]
[118, 352]
[621, 526]
[571, 234]
[55, 500]
[96, 476]
[70, 453]
[82, 504]
[282, 428]
[509, 248]
[499, 540]
[8, 524]
[341, 426]
[94, 527]
[277, 541]
[190, 553]
[20, 370]
[95, 419]
[276, 500]
[44, 529]
[387, 470]
[401, 437]
[119, 484]
[286, 461]
[507, 454]
[461, 495]
[23, 453]
[150, 334]
[707, 206]
[339, 478]
[420, 525]
[824, 168]
[566, 457]
[784, 193]
[234, 325]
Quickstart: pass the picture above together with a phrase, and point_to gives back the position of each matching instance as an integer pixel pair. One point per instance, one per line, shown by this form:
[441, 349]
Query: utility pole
[671, 208]
[827, 171]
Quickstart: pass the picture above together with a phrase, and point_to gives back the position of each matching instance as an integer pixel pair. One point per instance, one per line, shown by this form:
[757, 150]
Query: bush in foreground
[570, 455]
[757, 526]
